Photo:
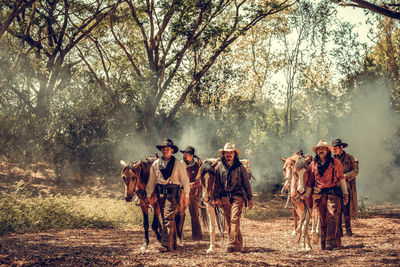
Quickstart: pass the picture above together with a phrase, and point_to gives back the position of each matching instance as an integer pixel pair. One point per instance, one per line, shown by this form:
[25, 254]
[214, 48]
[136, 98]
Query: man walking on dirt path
[192, 167]
[350, 171]
[329, 184]
[167, 175]
[232, 190]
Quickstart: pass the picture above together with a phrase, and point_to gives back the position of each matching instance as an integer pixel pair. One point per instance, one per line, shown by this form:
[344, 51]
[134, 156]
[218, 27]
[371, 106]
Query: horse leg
[307, 246]
[296, 227]
[145, 226]
[315, 223]
[212, 219]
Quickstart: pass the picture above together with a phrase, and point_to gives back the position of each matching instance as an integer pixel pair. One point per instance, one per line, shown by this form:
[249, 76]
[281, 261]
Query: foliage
[22, 212]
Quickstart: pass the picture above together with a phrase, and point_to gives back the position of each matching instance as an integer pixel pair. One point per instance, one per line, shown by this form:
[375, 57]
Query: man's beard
[186, 161]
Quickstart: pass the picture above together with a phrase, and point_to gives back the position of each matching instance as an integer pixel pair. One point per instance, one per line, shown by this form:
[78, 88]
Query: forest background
[84, 84]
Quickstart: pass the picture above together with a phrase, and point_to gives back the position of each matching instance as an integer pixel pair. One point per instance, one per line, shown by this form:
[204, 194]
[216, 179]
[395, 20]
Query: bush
[20, 212]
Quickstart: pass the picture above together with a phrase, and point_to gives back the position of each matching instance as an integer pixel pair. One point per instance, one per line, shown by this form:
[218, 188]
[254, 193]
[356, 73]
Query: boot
[323, 238]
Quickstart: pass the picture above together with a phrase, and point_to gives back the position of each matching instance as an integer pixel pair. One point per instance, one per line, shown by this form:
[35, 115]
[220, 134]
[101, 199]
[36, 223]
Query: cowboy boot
[347, 223]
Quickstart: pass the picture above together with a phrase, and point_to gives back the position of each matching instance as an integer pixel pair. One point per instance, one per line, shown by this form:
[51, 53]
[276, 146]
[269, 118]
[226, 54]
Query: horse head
[287, 171]
[130, 174]
[206, 176]
[300, 175]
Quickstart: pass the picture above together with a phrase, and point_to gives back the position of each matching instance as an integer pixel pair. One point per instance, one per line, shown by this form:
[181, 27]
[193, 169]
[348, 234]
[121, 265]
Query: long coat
[350, 170]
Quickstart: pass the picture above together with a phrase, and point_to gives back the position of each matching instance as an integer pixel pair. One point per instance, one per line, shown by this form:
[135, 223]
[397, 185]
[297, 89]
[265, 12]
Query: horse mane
[300, 163]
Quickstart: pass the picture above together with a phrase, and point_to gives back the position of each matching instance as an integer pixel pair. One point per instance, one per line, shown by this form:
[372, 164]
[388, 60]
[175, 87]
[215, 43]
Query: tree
[386, 8]
[180, 41]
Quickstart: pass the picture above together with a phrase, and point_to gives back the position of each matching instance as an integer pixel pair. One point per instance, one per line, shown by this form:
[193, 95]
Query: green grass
[20, 212]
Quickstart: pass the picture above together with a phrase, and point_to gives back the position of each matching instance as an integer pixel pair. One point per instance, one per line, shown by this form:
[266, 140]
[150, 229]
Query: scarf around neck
[167, 170]
[322, 167]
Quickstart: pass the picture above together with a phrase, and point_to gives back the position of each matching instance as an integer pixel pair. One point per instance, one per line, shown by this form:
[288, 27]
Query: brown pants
[168, 208]
[194, 215]
[233, 212]
[329, 208]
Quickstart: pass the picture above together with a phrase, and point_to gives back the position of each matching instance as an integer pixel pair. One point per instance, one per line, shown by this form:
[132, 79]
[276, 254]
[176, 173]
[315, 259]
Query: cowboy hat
[229, 147]
[188, 149]
[338, 142]
[168, 142]
[322, 143]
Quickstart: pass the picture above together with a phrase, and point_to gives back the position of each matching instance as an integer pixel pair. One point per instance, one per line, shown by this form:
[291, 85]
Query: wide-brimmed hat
[189, 149]
[322, 143]
[168, 142]
[229, 147]
[338, 142]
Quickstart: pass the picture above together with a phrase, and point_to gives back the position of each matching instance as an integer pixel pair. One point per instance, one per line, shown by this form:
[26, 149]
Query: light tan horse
[296, 176]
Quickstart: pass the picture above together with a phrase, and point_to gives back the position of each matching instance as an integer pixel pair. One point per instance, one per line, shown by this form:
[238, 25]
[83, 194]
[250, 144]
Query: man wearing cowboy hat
[192, 167]
[167, 175]
[327, 179]
[231, 190]
[350, 170]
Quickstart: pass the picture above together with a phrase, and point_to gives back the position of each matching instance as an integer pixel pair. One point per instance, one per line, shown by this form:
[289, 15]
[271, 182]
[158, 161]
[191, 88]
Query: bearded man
[167, 176]
[231, 190]
[350, 171]
[329, 185]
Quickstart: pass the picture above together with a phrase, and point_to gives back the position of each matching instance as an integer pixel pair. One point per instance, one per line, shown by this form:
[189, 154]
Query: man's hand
[192, 185]
[346, 199]
[250, 204]
[147, 200]
[218, 202]
[187, 200]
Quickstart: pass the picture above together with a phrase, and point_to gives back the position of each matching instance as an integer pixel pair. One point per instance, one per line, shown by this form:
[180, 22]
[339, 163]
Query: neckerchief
[322, 168]
[167, 171]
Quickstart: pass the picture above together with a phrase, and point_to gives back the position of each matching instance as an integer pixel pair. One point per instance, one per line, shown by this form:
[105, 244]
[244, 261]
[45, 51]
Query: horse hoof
[179, 242]
[293, 232]
[211, 250]
[143, 247]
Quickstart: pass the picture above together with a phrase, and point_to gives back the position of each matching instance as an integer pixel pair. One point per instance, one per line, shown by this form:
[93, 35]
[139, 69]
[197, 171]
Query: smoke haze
[370, 131]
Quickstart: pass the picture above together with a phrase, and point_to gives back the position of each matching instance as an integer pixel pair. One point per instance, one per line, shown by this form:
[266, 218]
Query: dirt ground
[376, 242]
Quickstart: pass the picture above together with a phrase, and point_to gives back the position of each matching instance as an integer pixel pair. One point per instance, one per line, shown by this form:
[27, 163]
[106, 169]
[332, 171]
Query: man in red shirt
[329, 184]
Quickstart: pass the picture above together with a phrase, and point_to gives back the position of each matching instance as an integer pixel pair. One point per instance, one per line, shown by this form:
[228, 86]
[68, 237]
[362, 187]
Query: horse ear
[309, 159]
[283, 159]
[123, 164]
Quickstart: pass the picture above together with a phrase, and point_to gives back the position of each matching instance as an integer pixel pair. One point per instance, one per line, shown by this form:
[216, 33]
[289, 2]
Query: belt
[169, 189]
[335, 191]
[231, 194]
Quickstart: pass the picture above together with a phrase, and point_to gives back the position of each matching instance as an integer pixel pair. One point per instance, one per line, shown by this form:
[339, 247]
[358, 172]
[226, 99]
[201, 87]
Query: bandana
[167, 171]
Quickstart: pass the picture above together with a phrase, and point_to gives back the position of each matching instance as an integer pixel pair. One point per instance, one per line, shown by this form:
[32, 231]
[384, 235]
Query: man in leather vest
[350, 171]
[192, 167]
[231, 190]
[167, 175]
[328, 183]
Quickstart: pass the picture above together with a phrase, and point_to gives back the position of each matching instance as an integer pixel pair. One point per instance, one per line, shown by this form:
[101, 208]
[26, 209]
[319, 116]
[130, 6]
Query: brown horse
[296, 176]
[136, 176]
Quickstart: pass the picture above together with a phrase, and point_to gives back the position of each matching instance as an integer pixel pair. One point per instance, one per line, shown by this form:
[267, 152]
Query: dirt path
[376, 242]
